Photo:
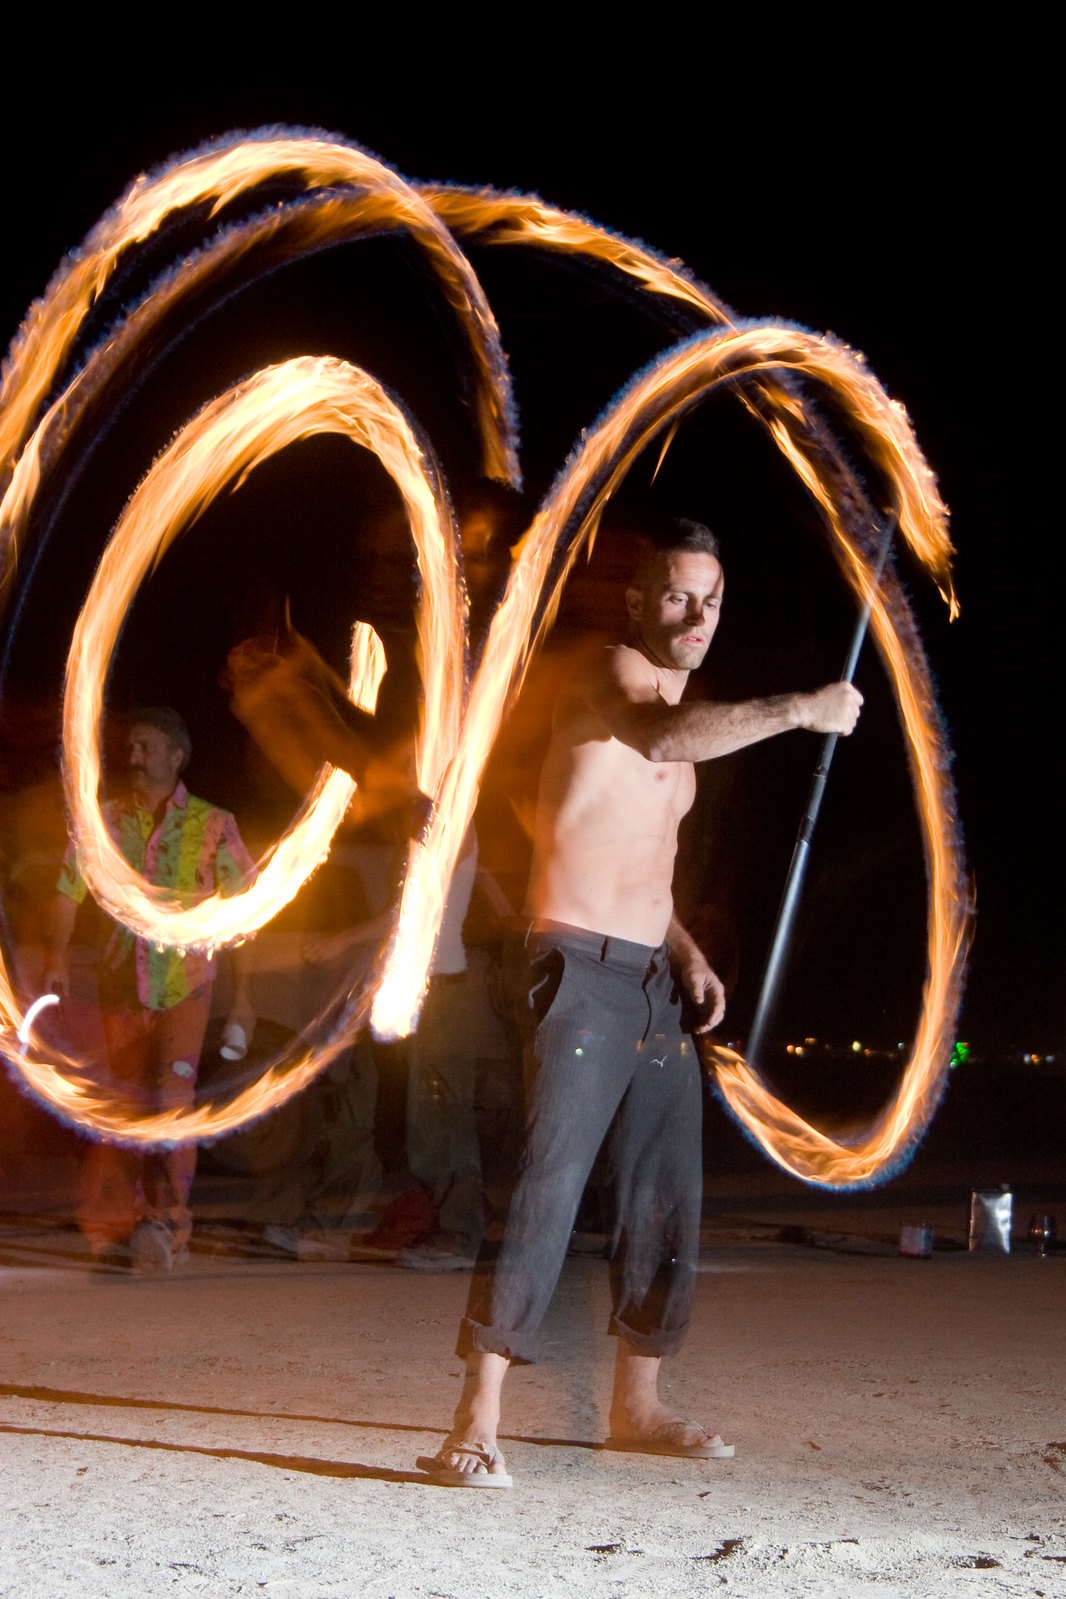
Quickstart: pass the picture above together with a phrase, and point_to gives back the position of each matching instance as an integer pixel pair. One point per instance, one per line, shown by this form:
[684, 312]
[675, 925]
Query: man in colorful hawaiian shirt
[155, 1003]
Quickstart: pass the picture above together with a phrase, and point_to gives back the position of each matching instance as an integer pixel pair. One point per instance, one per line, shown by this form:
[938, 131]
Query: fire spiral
[347, 195]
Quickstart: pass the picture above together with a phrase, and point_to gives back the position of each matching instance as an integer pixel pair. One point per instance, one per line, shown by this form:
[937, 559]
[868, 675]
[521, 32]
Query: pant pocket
[544, 980]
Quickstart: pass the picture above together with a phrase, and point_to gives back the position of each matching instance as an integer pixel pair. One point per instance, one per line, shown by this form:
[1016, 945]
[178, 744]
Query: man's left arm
[700, 983]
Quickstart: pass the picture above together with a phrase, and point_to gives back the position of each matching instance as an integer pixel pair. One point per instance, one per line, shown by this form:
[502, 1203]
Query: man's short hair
[667, 534]
[165, 720]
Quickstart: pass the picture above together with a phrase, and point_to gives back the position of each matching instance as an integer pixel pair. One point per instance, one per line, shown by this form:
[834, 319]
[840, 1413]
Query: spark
[40, 1004]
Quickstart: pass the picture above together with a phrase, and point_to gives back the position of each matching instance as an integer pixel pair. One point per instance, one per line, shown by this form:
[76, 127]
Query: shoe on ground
[109, 1258]
[487, 1467]
[311, 1243]
[152, 1250]
[284, 1239]
[435, 1257]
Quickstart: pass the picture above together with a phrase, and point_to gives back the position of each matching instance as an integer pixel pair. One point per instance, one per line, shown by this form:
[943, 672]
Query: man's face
[154, 762]
[674, 612]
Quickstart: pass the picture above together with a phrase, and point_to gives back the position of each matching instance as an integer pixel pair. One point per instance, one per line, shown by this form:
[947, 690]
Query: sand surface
[250, 1427]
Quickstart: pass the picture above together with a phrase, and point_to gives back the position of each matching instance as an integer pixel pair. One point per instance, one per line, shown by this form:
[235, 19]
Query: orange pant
[152, 1060]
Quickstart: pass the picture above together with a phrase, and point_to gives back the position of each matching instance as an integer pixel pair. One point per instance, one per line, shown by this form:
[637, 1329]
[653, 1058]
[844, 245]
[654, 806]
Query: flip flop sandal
[666, 1440]
[447, 1476]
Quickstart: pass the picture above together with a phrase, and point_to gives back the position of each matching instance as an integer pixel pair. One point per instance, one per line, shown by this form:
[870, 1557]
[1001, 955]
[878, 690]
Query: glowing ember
[244, 427]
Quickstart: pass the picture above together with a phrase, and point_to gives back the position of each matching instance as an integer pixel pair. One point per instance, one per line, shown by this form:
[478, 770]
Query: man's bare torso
[607, 817]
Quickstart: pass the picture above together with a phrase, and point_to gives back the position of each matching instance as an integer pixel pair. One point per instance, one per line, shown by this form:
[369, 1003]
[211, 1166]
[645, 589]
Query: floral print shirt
[194, 850]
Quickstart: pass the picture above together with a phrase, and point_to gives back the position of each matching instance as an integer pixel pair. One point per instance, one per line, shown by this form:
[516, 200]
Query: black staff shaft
[775, 961]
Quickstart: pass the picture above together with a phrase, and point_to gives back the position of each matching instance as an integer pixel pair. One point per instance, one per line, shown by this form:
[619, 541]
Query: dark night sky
[896, 218]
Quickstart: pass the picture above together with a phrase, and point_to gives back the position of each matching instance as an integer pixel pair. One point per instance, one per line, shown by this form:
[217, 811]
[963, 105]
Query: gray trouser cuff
[474, 1338]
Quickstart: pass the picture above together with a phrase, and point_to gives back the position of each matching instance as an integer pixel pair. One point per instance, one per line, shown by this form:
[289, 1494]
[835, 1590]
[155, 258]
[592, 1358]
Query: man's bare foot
[466, 1462]
[641, 1424]
[469, 1457]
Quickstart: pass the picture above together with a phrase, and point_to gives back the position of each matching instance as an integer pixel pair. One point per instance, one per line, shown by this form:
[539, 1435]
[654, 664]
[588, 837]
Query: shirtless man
[605, 955]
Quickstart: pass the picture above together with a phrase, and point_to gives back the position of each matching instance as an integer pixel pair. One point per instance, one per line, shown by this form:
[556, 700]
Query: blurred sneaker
[108, 1258]
[432, 1256]
[311, 1243]
[152, 1251]
[285, 1239]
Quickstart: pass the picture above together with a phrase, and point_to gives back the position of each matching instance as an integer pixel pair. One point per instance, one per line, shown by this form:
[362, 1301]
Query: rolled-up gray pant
[606, 1059]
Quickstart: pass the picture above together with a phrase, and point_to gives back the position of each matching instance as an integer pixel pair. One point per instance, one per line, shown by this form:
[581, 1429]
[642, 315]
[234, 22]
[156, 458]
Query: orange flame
[242, 428]
[673, 385]
[492, 218]
[226, 441]
[47, 336]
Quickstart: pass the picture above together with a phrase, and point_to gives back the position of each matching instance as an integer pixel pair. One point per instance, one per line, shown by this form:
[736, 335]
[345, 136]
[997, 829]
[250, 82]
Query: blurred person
[440, 1228]
[33, 836]
[337, 1188]
[443, 1150]
[295, 708]
[155, 1003]
[606, 964]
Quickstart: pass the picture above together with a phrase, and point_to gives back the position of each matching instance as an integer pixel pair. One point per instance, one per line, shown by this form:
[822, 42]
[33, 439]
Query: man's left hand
[703, 988]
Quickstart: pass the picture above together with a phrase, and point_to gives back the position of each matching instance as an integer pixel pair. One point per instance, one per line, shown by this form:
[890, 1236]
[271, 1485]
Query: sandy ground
[250, 1427]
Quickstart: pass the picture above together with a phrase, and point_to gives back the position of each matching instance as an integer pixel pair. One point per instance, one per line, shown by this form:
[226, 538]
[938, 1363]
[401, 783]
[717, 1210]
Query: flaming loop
[271, 409]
